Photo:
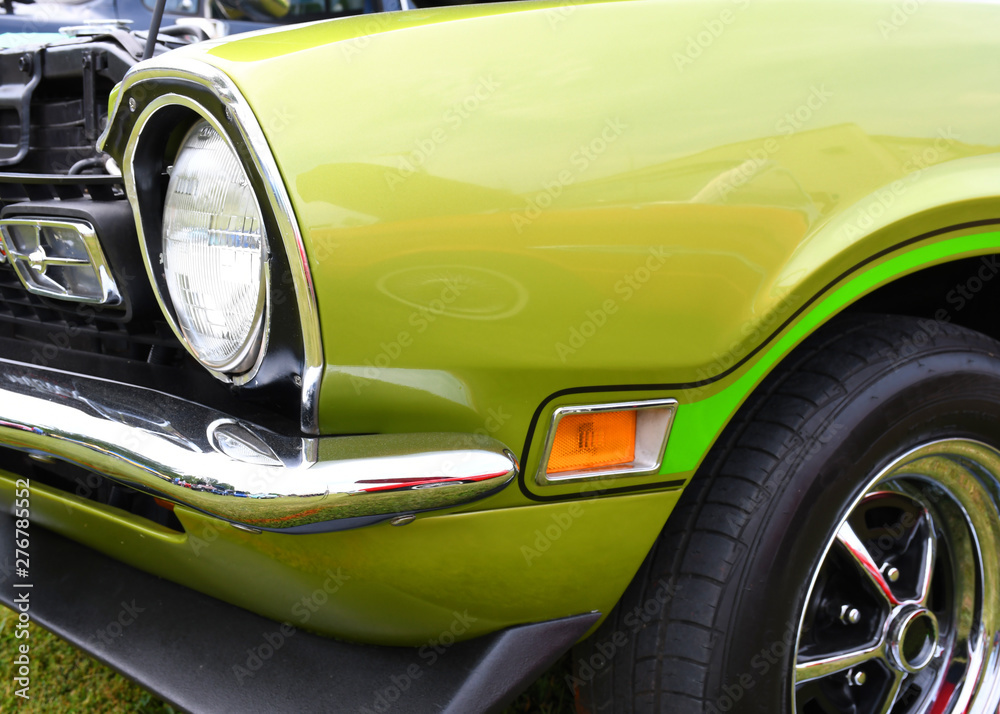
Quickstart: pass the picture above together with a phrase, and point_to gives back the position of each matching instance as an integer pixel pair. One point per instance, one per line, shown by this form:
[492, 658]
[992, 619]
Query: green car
[386, 359]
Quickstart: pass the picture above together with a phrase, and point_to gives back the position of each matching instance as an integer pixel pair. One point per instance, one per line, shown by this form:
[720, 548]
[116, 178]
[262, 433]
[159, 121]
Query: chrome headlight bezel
[293, 359]
[242, 367]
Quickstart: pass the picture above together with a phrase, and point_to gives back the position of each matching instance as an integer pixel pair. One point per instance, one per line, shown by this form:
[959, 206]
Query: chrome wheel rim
[902, 613]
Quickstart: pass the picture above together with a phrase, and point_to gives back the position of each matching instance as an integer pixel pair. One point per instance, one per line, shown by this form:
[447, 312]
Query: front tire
[839, 550]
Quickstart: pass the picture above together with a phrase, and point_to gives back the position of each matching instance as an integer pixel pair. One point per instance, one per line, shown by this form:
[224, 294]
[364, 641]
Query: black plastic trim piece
[701, 383]
[63, 179]
[184, 646]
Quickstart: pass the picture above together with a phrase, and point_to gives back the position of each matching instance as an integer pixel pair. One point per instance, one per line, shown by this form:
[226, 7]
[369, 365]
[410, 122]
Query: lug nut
[856, 679]
[891, 573]
[849, 615]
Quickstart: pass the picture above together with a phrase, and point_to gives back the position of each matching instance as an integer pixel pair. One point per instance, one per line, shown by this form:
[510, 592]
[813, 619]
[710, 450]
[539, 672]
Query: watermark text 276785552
[22, 601]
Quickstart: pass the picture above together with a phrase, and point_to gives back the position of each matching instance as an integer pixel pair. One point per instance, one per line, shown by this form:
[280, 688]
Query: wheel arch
[937, 264]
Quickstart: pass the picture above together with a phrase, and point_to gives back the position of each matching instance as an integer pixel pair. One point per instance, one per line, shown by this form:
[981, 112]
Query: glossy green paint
[386, 584]
[504, 202]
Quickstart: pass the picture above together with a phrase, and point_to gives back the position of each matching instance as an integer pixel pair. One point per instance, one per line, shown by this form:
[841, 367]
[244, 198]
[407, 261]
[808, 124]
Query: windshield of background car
[286, 10]
[283, 10]
[174, 7]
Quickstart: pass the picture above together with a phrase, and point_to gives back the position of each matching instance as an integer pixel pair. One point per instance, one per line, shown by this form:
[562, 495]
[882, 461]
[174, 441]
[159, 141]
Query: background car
[215, 19]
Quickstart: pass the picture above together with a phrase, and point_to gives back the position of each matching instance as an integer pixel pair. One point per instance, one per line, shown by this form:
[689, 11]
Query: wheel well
[965, 292]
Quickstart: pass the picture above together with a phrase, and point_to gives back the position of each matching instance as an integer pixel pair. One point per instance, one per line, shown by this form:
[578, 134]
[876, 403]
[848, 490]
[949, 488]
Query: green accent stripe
[697, 424]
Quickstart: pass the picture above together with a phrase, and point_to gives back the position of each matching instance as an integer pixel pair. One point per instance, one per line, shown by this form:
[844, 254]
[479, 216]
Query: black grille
[58, 325]
[15, 188]
[57, 139]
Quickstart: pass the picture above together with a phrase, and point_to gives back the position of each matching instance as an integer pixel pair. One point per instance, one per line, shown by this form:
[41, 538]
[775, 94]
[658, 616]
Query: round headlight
[215, 253]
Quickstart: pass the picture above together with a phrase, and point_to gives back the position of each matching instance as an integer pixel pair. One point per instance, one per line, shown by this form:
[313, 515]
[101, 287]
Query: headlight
[215, 253]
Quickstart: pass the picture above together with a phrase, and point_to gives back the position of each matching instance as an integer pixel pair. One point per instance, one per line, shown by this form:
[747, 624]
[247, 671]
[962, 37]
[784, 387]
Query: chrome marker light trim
[31, 263]
[654, 417]
[238, 471]
[254, 348]
[245, 123]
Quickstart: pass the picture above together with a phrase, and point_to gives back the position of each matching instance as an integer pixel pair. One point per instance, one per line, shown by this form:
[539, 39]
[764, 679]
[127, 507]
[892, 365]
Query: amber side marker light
[606, 441]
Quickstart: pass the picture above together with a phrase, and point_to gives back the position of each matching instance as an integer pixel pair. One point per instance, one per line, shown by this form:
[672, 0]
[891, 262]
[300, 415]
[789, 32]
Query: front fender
[508, 208]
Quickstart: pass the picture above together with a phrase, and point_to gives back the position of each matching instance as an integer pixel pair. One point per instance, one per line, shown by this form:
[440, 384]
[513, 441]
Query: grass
[549, 694]
[65, 680]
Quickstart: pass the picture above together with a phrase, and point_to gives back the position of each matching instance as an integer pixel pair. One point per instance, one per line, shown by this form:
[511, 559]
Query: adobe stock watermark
[376, 24]
[420, 320]
[751, 333]
[913, 342]
[84, 323]
[452, 120]
[895, 535]
[958, 297]
[561, 523]
[866, 214]
[278, 121]
[495, 419]
[760, 158]
[805, 448]
[585, 669]
[259, 654]
[767, 658]
[963, 293]
[261, 478]
[558, 14]
[579, 162]
[114, 630]
[631, 283]
[387, 697]
[303, 610]
[900, 15]
[711, 30]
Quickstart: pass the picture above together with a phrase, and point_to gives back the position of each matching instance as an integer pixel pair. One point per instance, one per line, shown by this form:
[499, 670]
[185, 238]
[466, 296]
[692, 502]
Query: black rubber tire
[708, 624]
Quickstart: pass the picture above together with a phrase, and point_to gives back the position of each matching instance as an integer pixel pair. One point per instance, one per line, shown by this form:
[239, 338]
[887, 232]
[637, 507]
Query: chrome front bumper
[252, 477]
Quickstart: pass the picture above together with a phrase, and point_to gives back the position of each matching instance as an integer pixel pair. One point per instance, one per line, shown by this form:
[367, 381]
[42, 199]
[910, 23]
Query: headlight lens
[215, 253]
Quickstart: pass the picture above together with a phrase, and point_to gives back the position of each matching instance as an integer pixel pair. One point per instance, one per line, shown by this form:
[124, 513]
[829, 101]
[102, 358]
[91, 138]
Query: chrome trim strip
[245, 122]
[254, 349]
[651, 438]
[239, 472]
[110, 295]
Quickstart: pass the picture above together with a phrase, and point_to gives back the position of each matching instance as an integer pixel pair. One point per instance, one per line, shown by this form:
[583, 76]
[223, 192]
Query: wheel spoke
[927, 560]
[860, 555]
[892, 695]
[825, 666]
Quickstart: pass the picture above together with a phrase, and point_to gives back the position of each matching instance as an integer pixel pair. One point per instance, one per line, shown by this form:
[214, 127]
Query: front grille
[15, 188]
[58, 325]
[58, 137]
[52, 332]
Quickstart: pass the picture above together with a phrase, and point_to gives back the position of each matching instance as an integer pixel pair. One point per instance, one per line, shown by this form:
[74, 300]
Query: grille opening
[90, 485]
[58, 325]
[63, 126]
